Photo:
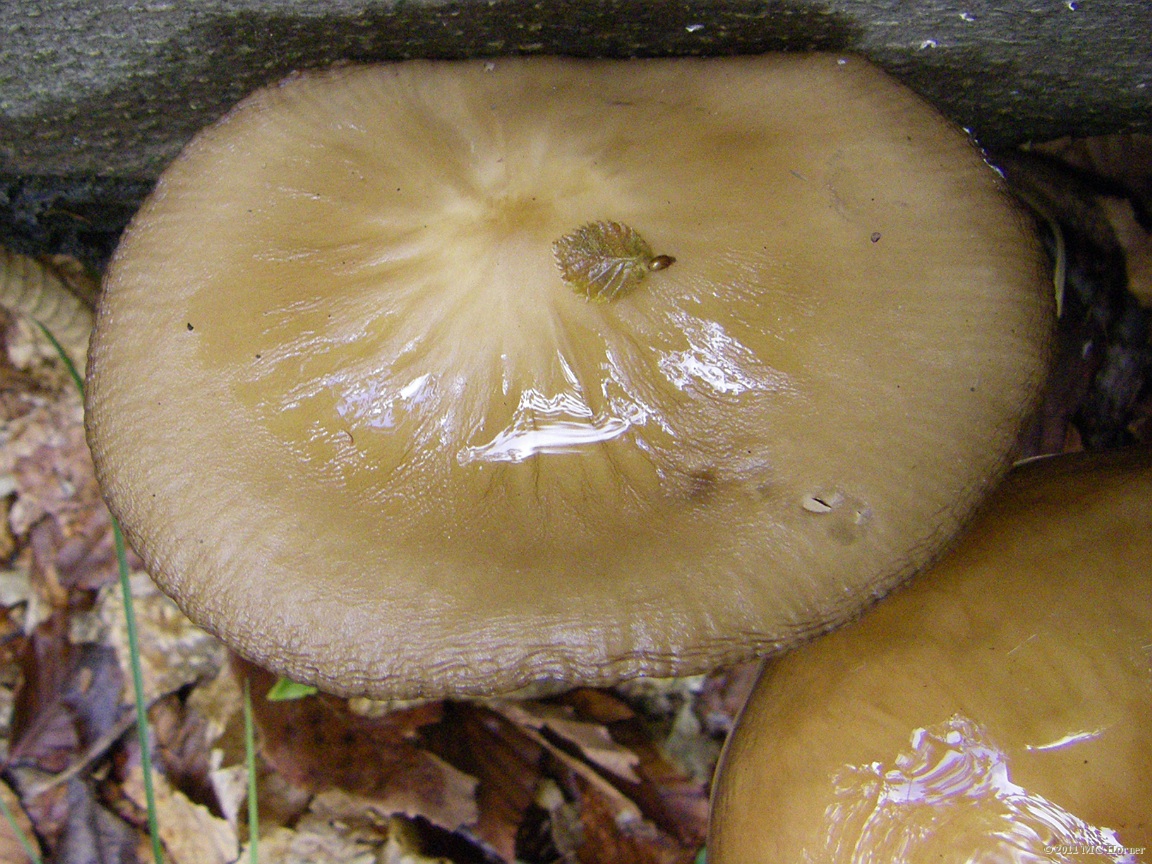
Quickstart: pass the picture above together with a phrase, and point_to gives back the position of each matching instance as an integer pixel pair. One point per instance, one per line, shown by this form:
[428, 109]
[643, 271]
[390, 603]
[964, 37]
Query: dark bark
[111, 88]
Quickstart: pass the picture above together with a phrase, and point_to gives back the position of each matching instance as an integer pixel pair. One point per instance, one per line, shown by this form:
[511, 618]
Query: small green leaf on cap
[605, 260]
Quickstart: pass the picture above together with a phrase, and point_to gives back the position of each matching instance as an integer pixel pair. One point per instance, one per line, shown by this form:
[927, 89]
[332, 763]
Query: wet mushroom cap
[444, 378]
[998, 705]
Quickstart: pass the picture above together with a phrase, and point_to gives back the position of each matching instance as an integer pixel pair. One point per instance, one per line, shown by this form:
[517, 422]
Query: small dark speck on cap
[875, 238]
[190, 327]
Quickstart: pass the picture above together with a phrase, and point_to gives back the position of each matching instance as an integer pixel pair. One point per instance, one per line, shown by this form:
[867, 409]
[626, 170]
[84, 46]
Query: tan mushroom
[48, 291]
[997, 709]
[445, 378]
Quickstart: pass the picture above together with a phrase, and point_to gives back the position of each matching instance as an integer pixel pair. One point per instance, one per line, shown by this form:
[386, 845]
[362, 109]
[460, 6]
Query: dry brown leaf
[593, 740]
[189, 832]
[15, 587]
[70, 698]
[1125, 159]
[32, 417]
[689, 749]
[404, 847]
[7, 540]
[323, 837]
[219, 701]
[675, 802]
[624, 810]
[47, 457]
[670, 795]
[599, 706]
[15, 382]
[92, 833]
[609, 839]
[455, 809]
[318, 743]
[1126, 162]
[1137, 245]
[48, 812]
[181, 748]
[174, 652]
[229, 786]
[313, 841]
[504, 760]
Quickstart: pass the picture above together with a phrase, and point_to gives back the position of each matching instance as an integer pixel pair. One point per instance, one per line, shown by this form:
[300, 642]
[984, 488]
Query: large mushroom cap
[437, 378]
[998, 709]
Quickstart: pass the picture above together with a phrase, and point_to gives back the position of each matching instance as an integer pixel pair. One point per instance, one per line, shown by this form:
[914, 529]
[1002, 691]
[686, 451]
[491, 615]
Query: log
[112, 89]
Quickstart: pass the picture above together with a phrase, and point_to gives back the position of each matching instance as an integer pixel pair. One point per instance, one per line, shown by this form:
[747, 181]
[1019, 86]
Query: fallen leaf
[49, 812]
[189, 832]
[624, 810]
[607, 838]
[604, 260]
[1125, 159]
[505, 762]
[92, 833]
[7, 541]
[336, 831]
[52, 467]
[229, 786]
[592, 739]
[180, 735]
[318, 743]
[668, 797]
[69, 700]
[403, 845]
[219, 701]
[601, 706]
[564, 833]
[174, 652]
[313, 841]
[1137, 244]
[688, 748]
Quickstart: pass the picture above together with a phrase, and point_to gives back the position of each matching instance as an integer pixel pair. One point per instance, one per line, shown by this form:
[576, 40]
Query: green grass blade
[250, 759]
[68, 364]
[138, 689]
[29, 849]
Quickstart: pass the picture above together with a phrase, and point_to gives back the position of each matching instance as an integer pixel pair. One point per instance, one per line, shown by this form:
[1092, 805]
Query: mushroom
[999, 708]
[440, 378]
[47, 291]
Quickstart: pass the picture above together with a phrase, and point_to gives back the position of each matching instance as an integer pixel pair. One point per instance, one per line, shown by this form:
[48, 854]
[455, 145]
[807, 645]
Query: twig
[95, 750]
